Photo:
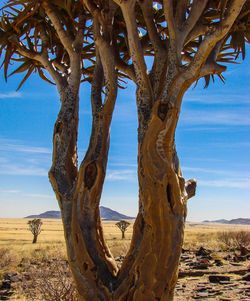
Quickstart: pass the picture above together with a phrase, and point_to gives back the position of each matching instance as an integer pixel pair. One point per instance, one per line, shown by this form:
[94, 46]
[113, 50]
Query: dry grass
[206, 234]
[17, 250]
[15, 235]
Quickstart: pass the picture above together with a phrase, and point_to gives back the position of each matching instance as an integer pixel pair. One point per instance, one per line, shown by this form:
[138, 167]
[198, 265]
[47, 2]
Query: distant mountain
[242, 221]
[106, 214]
[111, 215]
[47, 214]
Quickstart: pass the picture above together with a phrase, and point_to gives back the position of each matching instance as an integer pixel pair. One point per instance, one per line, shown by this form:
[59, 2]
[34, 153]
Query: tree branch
[142, 78]
[198, 30]
[97, 84]
[94, 10]
[63, 36]
[190, 187]
[214, 35]
[197, 9]
[180, 13]
[169, 16]
[42, 58]
[78, 42]
[154, 36]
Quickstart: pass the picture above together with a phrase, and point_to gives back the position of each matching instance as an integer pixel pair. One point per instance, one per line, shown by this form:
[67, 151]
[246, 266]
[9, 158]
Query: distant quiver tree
[35, 228]
[123, 225]
[162, 46]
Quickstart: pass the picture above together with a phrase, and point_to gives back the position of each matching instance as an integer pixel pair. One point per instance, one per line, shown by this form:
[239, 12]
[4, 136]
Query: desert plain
[30, 271]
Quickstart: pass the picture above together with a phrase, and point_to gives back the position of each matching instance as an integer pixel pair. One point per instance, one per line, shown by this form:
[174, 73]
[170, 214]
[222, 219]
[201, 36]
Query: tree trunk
[123, 234]
[34, 239]
[150, 269]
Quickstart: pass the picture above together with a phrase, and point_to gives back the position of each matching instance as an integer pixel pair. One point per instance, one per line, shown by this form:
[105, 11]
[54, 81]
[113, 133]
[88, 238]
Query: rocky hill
[106, 214]
[242, 221]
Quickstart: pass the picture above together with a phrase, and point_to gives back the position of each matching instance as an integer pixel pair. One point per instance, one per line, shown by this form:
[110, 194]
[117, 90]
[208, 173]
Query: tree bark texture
[150, 270]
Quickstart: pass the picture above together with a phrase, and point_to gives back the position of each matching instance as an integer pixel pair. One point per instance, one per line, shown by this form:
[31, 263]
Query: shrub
[234, 239]
[49, 280]
[5, 258]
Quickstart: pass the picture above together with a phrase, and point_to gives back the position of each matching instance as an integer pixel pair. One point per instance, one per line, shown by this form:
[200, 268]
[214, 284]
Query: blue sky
[212, 140]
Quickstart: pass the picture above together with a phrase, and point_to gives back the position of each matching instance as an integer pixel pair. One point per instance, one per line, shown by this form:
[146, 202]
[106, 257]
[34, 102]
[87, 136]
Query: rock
[13, 277]
[242, 258]
[218, 278]
[6, 284]
[228, 257]
[204, 263]
[201, 295]
[218, 263]
[202, 252]
[246, 277]
[244, 251]
[236, 264]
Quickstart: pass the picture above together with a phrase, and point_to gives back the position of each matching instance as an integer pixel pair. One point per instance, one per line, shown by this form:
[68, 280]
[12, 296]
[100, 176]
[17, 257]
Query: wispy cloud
[11, 145]
[226, 183]
[218, 99]
[202, 117]
[22, 170]
[227, 173]
[204, 129]
[41, 196]
[11, 94]
[121, 175]
[220, 178]
[10, 191]
[123, 164]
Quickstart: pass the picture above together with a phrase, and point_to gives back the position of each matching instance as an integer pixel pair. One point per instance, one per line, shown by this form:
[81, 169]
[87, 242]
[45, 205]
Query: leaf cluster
[25, 26]
[26, 31]
[35, 226]
[122, 225]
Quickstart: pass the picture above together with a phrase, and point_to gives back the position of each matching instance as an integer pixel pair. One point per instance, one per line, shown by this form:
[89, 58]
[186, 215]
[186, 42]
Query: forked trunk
[150, 269]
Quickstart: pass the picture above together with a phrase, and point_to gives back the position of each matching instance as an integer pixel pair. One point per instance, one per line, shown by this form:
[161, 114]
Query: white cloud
[121, 175]
[227, 173]
[221, 178]
[218, 99]
[41, 196]
[9, 191]
[11, 145]
[11, 94]
[22, 170]
[201, 117]
[123, 165]
[228, 183]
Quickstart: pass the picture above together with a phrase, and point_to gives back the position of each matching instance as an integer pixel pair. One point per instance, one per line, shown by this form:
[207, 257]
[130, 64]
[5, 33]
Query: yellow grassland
[15, 235]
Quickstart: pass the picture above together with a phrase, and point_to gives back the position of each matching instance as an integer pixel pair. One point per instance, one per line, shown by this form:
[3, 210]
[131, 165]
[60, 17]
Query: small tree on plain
[123, 225]
[35, 228]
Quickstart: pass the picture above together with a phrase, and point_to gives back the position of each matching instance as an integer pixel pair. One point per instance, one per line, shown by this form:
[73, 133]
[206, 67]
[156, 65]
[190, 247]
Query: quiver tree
[122, 225]
[35, 228]
[103, 42]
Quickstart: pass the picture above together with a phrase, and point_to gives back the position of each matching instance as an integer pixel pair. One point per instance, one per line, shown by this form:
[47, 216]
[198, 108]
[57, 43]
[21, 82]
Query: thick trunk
[78, 193]
[150, 269]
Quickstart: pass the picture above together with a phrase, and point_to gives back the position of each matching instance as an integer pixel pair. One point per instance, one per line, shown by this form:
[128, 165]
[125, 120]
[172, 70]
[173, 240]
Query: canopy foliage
[27, 34]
